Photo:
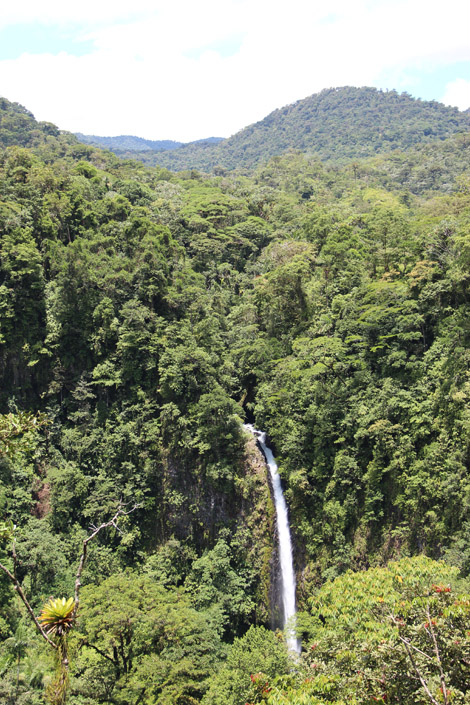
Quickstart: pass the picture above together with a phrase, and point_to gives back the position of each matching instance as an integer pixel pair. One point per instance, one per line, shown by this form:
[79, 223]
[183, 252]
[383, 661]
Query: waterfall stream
[285, 544]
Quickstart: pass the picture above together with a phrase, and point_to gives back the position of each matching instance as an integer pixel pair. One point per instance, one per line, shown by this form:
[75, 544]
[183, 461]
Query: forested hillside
[129, 145]
[143, 316]
[337, 124]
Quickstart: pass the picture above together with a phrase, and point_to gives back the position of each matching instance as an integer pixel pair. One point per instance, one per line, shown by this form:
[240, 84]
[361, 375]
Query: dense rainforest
[144, 315]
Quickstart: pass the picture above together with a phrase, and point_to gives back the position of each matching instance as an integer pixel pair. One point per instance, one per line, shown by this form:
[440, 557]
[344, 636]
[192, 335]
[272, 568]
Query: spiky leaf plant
[57, 616]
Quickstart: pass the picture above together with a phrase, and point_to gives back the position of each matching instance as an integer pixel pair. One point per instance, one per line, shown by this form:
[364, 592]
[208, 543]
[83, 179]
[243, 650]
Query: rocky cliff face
[258, 514]
[197, 509]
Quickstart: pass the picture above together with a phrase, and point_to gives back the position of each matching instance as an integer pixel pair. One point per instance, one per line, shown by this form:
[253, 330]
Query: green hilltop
[336, 124]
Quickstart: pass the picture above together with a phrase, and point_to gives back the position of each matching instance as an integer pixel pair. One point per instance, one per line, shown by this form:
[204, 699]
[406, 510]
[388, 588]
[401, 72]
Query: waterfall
[285, 544]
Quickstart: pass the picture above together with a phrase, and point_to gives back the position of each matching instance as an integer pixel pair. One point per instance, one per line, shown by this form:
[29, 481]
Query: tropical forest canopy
[144, 314]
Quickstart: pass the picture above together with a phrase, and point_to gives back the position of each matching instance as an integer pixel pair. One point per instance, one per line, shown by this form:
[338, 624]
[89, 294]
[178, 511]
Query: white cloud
[457, 93]
[85, 12]
[143, 78]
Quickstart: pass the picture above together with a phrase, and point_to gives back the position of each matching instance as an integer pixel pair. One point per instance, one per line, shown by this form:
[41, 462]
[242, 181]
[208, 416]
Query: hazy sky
[191, 69]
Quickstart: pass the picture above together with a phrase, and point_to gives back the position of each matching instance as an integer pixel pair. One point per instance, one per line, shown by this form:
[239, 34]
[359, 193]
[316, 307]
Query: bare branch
[413, 662]
[430, 658]
[121, 511]
[395, 621]
[100, 652]
[438, 656]
[24, 599]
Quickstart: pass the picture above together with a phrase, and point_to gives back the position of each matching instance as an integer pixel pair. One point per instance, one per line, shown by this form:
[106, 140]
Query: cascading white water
[285, 544]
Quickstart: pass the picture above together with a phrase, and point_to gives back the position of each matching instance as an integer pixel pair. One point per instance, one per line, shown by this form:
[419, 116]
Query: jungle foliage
[143, 315]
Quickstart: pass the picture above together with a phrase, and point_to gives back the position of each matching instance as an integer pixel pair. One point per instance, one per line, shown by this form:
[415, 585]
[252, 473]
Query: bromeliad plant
[58, 614]
[57, 619]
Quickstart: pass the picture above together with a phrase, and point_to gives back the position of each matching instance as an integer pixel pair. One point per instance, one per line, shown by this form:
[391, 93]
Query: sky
[187, 70]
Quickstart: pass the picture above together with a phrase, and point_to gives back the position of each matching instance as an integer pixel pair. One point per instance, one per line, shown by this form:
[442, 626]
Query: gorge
[142, 314]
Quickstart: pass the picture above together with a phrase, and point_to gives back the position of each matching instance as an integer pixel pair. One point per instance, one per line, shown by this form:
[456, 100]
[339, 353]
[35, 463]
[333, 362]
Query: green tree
[145, 641]
[258, 650]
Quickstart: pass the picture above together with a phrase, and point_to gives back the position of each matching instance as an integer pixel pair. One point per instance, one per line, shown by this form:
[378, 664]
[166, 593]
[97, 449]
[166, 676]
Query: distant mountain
[127, 145]
[337, 124]
[207, 140]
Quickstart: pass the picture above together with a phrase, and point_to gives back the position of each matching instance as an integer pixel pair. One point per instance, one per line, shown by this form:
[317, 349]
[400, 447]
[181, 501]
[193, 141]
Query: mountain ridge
[337, 124]
[125, 143]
